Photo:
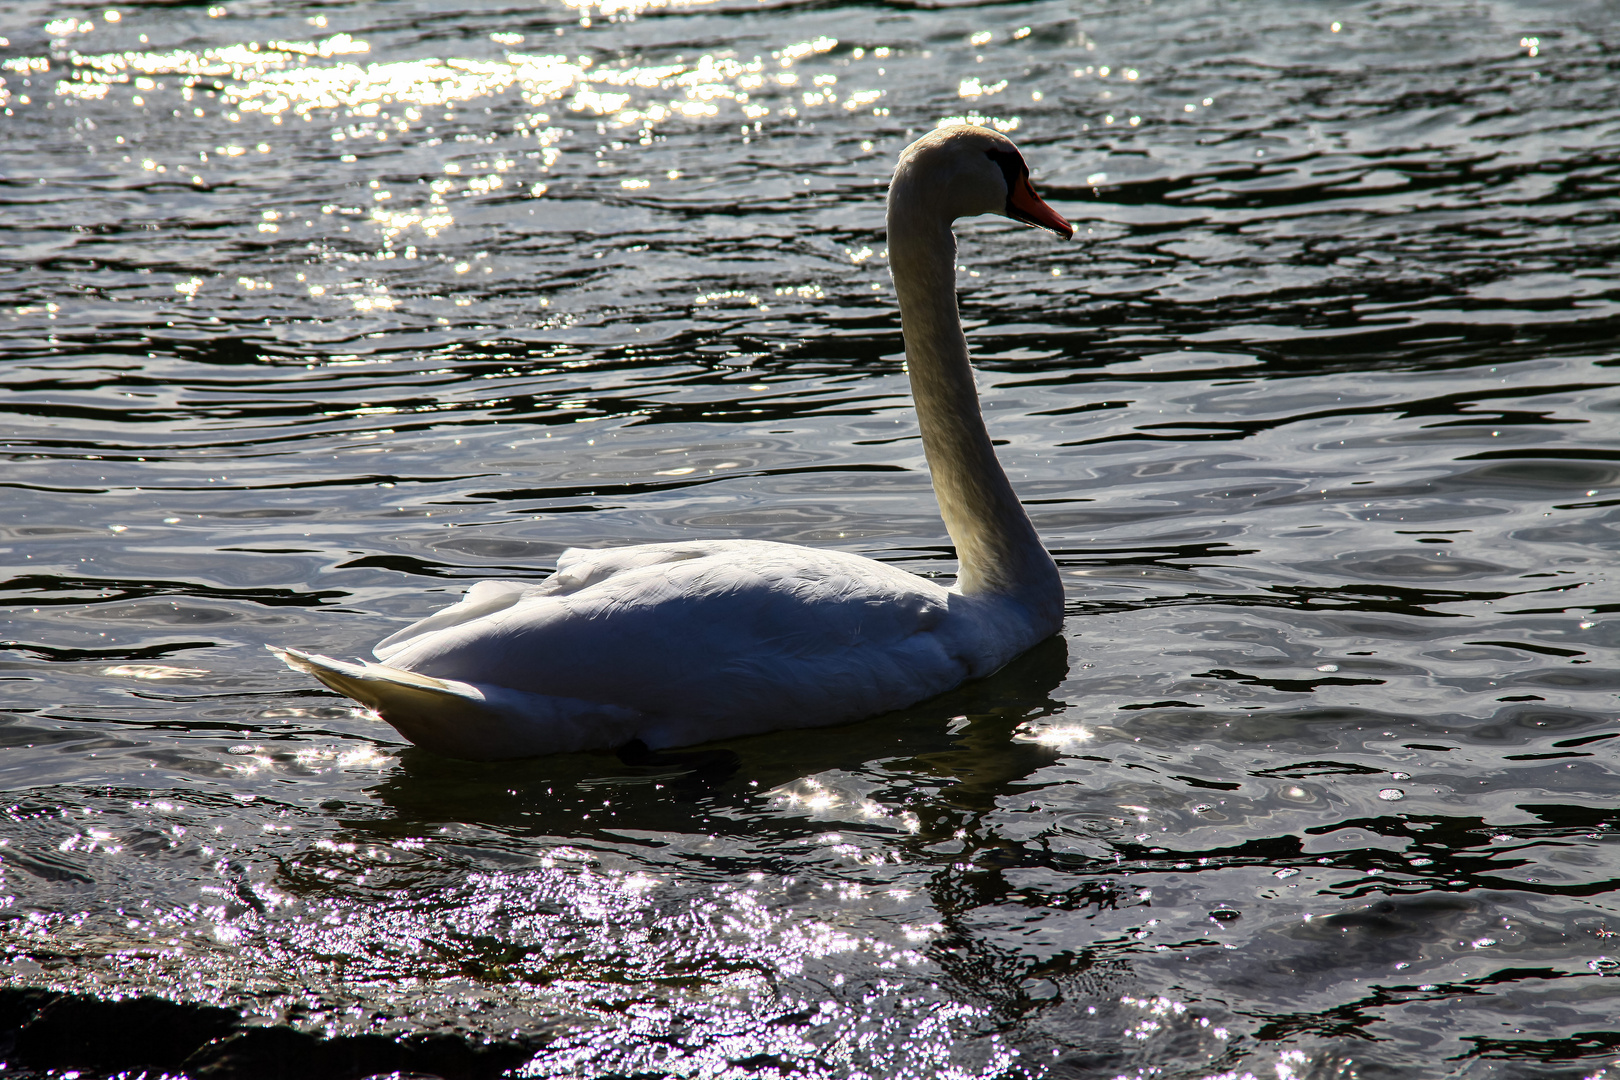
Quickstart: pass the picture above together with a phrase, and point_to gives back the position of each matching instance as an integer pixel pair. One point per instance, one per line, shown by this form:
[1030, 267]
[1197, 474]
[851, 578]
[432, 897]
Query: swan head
[963, 170]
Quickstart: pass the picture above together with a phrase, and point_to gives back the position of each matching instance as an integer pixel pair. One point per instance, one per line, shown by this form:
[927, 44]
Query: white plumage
[682, 643]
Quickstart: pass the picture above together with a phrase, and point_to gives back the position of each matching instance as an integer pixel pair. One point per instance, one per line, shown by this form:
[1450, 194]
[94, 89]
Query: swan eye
[1012, 166]
[1015, 172]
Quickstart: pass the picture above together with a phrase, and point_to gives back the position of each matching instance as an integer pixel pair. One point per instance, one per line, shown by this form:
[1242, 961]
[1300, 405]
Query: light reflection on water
[314, 317]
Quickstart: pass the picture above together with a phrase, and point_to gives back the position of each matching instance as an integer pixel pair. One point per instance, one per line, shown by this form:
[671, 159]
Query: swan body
[680, 643]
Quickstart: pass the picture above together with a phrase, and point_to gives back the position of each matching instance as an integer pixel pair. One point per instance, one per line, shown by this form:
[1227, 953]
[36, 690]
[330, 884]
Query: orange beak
[1026, 206]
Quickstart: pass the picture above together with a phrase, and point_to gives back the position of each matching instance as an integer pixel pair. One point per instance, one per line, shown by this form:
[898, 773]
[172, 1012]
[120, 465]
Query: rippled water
[314, 314]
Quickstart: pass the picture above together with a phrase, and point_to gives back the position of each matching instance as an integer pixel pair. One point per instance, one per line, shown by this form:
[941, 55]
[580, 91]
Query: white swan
[682, 643]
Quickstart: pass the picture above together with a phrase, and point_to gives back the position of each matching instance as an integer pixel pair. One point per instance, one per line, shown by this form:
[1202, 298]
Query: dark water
[314, 314]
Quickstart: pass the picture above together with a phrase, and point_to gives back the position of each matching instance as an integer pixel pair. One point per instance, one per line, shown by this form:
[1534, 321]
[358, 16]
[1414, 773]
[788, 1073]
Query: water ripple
[313, 317]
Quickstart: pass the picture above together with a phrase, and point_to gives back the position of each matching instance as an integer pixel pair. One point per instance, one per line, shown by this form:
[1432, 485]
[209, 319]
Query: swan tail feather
[466, 720]
[376, 685]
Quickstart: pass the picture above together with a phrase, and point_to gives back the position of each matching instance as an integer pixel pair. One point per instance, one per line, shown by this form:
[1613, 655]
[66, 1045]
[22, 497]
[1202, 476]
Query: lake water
[313, 315]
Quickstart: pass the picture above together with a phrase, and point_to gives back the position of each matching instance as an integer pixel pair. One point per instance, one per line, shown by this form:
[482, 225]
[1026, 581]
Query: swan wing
[577, 568]
[739, 636]
[580, 568]
[484, 598]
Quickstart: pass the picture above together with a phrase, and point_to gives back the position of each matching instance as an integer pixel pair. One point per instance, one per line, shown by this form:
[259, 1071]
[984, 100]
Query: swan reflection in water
[680, 643]
[958, 747]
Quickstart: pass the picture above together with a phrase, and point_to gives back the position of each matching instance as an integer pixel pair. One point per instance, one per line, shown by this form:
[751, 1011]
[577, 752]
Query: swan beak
[1026, 206]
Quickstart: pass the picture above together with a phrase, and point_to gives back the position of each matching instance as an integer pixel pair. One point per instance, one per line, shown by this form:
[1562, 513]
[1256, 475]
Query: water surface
[315, 314]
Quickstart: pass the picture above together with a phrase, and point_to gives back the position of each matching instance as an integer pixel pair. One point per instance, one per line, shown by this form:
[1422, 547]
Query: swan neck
[998, 548]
